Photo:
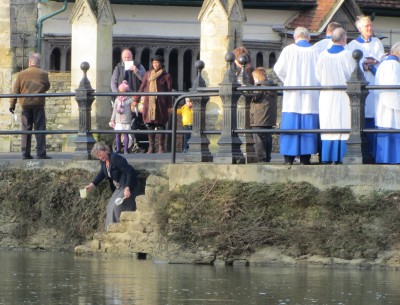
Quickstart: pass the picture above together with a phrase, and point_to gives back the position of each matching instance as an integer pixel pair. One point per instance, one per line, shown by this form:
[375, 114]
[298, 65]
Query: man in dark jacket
[263, 112]
[128, 69]
[31, 81]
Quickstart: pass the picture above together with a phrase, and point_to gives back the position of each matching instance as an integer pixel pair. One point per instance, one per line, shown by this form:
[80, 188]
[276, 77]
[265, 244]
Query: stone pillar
[181, 52]
[84, 141]
[198, 142]
[358, 151]
[6, 61]
[17, 40]
[229, 143]
[221, 31]
[92, 24]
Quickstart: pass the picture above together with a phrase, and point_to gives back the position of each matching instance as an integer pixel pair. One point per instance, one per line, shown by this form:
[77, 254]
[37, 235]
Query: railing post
[243, 116]
[198, 142]
[229, 143]
[357, 145]
[84, 141]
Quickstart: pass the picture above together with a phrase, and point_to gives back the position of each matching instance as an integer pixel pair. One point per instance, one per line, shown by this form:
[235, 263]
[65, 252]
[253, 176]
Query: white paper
[128, 64]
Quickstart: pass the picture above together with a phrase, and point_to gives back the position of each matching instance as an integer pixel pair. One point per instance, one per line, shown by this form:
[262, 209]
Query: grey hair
[34, 59]
[338, 35]
[362, 20]
[395, 50]
[99, 146]
[301, 32]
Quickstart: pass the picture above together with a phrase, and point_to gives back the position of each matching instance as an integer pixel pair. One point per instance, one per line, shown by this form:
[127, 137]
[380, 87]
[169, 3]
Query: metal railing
[234, 144]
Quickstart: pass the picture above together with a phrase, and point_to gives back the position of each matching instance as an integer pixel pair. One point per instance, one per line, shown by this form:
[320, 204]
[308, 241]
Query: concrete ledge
[360, 178]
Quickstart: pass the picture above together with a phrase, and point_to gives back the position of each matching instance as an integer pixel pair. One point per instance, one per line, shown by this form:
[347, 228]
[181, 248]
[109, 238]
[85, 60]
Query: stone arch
[116, 56]
[145, 58]
[173, 67]
[259, 59]
[133, 50]
[188, 66]
[55, 60]
[68, 60]
[271, 60]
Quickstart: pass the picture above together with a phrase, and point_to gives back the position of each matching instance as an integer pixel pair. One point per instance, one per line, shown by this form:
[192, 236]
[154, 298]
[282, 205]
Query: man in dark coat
[155, 108]
[128, 69]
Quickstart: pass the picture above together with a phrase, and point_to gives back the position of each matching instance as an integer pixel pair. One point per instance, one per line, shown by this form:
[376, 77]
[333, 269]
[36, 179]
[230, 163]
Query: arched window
[55, 60]
[116, 57]
[145, 59]
[68, 61]
[259, 60]
[272, 60]
[173, 68]
[187, 70]
[133, 51]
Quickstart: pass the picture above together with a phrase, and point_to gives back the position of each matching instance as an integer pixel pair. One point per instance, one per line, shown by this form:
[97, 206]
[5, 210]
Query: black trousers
[33, 118]
[263, 144]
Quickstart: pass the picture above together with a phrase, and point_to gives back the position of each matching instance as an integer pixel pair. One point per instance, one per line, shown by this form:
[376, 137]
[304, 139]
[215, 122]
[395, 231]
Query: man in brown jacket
[31, 81]
[263, 112]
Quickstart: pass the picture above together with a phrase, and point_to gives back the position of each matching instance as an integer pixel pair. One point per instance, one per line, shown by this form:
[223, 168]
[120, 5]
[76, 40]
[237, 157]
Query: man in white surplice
[326, 43]
[296, 67]
[334, 68]
[373, 53]
[388, 109]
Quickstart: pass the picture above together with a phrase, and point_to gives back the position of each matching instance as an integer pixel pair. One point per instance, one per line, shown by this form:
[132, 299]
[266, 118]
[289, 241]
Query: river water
[55, 278]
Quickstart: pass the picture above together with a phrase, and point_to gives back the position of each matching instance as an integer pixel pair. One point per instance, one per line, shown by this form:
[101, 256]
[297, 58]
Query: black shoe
[43, 157]
[305, 159]
[288, 160]
[27, 157]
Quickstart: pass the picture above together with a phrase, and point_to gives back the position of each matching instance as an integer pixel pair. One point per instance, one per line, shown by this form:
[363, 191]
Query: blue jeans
[186, 137]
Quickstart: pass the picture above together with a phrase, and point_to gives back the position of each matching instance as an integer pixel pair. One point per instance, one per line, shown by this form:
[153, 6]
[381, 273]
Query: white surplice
[373, 48]
[388, 101]
[334, 106]
[296, 67]
[323, 44]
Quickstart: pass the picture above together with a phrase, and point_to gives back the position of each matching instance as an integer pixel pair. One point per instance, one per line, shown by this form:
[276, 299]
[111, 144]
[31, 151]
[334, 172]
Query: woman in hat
[155, 108]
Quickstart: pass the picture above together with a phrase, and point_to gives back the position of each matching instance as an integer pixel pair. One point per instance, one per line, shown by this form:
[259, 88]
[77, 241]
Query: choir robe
[372, 48]
[296, 67]
[323, 44]
[334, 68]
[387, 148]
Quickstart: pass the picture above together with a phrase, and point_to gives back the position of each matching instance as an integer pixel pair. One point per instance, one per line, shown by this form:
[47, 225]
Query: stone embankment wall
[54, 185]
[138, 233]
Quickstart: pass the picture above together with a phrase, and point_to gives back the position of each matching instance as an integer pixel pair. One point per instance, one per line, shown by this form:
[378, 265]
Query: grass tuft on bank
[234, 218]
